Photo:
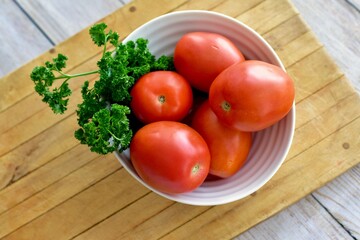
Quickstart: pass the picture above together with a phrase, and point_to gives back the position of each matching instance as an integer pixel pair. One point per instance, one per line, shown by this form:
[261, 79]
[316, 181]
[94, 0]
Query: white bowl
[270, 146]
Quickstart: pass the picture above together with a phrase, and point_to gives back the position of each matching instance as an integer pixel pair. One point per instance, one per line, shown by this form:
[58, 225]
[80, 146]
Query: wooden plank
[338, 30]
[235, 8]
[15, 30]
[152, 229]
[298, 48]
[84, 209]
[305, 86]
[140, 12]
[168, 211]
[286, 32]
[199, 5]
[40, 150]
[355, 4]
[150, 204]
[304, 220]
[44, 176]
[171, 209]
[324, 124]
[292, 40]
[273, 13]
[341, 198]
[62, 19]
[58, 192]
[328, 96]
[33, 126]
[325, 18]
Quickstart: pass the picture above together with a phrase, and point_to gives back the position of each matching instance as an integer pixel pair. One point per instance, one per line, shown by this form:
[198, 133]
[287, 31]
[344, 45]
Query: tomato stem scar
[226, 106]
[196, 168]
[161, 98]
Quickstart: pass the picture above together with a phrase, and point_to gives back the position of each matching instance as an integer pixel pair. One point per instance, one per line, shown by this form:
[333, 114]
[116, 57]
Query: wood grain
[32, 154]
[355, 4]
[342, 18]
[344, 47]
[273, 13]
[49, 197]
[305, 220]
[235, 8]
[44, 176]
[341, 198]
[84, 209]
[15, 135]
[68, 204]
[15, 32]
[150, 204]
[66, 21]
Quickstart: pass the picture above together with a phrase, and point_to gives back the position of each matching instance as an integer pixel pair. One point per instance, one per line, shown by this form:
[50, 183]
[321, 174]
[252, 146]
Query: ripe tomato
[170, 156]
[161, 95]
[201, 56]
[252, 95]
[229, 148]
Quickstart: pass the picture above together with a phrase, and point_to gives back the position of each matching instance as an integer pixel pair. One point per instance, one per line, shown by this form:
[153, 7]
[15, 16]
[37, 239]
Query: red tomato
[229, 148]
[201, 56]
[161, 95]
[170, 156]
[252, 95]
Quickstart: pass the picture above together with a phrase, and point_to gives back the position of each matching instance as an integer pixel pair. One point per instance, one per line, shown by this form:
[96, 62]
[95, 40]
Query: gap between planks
[286, 163]
[96, 55]
[73, 68]
[305, 56]
[62, 120]
[33, 21]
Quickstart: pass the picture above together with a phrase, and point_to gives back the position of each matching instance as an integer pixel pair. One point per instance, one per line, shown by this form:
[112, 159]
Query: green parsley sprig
[103, 115]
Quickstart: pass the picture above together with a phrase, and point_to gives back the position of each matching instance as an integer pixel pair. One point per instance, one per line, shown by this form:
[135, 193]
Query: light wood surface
[65, 191]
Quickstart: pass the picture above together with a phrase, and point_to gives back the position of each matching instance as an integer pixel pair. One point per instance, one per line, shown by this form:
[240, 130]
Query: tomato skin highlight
[170, 156]
[201, 56]
[252, 95]
[160, 96]
[229, 148]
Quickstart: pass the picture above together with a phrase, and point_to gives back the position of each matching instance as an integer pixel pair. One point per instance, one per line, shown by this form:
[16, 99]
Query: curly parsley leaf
[43, 77]
[107, 131]
[92, 103]
[100, 38]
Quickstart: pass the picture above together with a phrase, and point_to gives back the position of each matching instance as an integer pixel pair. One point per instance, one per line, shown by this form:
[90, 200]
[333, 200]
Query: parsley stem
[64, 82]
[113, 135]
[63, 75]
[104, 49]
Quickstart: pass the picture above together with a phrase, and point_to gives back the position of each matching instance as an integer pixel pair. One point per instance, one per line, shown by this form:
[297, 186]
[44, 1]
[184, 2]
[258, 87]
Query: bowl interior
[270, 146]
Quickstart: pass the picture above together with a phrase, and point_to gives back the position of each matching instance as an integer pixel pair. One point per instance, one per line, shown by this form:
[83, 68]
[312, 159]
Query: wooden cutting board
[54, 188]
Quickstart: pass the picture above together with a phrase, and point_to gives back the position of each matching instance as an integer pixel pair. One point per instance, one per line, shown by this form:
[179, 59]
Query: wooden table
[54, 188]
